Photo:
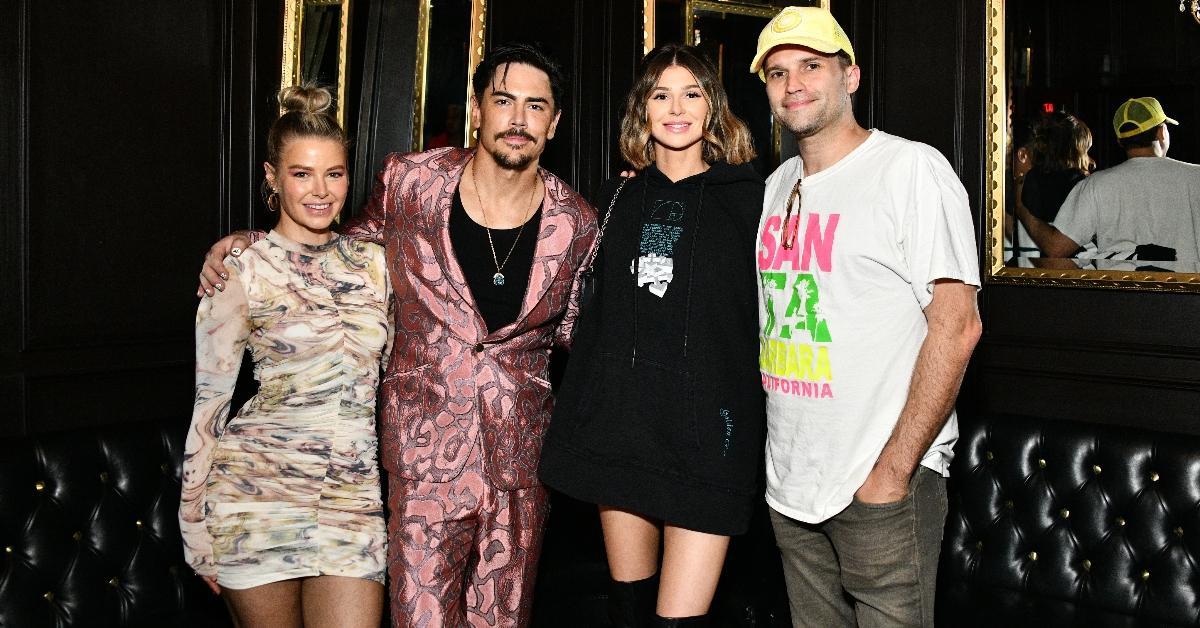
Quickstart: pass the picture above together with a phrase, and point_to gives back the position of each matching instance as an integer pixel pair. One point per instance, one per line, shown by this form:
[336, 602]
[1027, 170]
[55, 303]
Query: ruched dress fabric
[289, 488]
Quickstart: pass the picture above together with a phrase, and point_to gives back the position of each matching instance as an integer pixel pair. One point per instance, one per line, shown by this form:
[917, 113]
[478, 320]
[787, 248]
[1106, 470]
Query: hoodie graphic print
[655, 265]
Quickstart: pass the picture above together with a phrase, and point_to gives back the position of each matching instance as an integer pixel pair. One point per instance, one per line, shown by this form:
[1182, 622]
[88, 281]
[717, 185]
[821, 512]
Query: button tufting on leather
[71, 544]
[1107, 505]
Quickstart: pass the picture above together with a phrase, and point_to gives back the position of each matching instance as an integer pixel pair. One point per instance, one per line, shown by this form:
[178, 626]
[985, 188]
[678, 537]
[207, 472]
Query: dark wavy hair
[725, 136]
[531, 54]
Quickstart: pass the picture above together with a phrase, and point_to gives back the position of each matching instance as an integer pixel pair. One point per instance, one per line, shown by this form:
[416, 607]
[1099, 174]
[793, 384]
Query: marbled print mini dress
[290, 486]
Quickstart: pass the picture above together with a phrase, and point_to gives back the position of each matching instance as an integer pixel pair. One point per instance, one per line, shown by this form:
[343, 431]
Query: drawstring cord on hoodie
[637, 269]
[639, 224]
[687, 312]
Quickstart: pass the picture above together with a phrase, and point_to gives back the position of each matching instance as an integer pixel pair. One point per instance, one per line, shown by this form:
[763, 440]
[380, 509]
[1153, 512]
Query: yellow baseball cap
[811, 27]
[1138, 115]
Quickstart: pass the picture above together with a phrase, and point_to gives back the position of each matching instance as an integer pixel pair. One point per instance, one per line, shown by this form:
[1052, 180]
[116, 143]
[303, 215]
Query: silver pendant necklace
[498, 278]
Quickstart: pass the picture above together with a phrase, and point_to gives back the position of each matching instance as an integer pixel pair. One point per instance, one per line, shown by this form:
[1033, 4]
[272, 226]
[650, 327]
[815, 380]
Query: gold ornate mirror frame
[293, 47]
[716, 6]
[740, 8]
[477, 36]
[995, 149]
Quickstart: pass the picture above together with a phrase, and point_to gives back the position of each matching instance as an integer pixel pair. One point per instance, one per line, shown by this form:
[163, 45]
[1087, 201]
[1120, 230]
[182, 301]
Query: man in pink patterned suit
[478, 303]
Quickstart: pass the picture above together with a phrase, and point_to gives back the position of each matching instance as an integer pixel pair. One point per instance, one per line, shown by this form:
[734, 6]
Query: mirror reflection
[1102, 100]
[451, 33]
[727, 32]
[314, 40]
[320, 42]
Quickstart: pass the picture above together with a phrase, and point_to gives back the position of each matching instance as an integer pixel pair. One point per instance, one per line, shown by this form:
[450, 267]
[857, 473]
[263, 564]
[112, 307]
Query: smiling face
[312, 183]
[516, 117]
[677, 112]
[809, 91]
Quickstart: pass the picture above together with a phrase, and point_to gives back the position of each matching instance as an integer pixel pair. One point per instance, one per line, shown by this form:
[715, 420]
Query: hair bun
[307, 98]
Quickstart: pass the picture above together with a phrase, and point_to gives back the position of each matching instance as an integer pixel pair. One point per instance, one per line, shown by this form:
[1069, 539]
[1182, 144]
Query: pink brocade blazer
[450, 384]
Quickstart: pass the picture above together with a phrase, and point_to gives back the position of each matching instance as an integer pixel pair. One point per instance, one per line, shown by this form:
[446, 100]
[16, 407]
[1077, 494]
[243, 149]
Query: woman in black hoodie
[660, 417]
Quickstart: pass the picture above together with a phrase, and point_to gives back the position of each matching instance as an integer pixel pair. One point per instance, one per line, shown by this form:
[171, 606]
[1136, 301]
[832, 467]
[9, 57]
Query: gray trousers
[871, 565]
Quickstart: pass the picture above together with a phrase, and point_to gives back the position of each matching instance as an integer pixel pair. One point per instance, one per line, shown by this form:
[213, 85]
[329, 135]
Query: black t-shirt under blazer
[661, 409]
[499, 305]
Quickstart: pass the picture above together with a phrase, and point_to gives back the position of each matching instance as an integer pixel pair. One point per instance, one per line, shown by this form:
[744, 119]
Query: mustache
[516, 133]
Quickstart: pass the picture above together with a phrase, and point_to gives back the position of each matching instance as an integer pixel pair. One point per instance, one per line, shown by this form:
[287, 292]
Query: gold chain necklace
[498, 278]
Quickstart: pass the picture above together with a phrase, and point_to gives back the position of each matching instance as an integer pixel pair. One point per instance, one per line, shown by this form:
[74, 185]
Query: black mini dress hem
[689, 505]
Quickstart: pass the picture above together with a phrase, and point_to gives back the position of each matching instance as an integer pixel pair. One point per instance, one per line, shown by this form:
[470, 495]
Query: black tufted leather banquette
[89, 534]
[1052, 523]
[1061, 523]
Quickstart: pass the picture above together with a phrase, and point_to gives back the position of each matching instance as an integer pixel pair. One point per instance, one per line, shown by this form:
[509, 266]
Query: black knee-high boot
[631, 604]
[699, 621]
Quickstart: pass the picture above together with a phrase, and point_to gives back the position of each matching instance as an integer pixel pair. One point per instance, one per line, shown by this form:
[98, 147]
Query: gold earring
[273, 200]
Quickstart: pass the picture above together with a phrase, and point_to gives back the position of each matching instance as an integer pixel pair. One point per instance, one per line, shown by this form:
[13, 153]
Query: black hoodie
[663, 379]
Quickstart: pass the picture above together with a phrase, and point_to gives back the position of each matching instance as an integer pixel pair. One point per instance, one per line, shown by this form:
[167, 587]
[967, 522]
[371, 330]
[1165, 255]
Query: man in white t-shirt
[869, 272]
[1147, 208]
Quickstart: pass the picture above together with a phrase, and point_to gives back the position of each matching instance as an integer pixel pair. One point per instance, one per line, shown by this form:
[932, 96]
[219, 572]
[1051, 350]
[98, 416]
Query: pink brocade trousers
[463, 553]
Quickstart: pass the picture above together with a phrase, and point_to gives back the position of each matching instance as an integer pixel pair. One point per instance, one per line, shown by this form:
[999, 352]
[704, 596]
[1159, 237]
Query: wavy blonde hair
[725, 137]
[1061, 141]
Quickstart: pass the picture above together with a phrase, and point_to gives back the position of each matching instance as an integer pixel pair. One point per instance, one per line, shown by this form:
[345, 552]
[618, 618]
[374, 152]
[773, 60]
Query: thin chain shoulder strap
[607, 215]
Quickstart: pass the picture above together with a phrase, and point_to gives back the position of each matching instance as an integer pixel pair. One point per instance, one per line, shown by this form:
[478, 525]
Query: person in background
[452, 132]
[1146, 208]
[1047, 168]
[281, 507]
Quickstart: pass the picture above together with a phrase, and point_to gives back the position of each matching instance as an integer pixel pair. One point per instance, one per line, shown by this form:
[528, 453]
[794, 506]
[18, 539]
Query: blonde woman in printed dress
[281, 509]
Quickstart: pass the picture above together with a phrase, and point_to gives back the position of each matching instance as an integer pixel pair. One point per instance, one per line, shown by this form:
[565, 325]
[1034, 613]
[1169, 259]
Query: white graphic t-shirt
[841, 312]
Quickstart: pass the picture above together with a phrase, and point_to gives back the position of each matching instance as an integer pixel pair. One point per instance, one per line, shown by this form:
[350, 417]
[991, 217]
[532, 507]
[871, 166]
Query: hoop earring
[273, 201]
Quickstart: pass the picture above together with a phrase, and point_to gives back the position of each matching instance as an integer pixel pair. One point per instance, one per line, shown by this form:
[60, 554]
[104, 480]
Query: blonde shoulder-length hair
[725, 136]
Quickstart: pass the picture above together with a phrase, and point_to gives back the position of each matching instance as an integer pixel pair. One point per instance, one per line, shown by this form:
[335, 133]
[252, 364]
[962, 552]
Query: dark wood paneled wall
[130, 132]
[385, 32]
[13, 61]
